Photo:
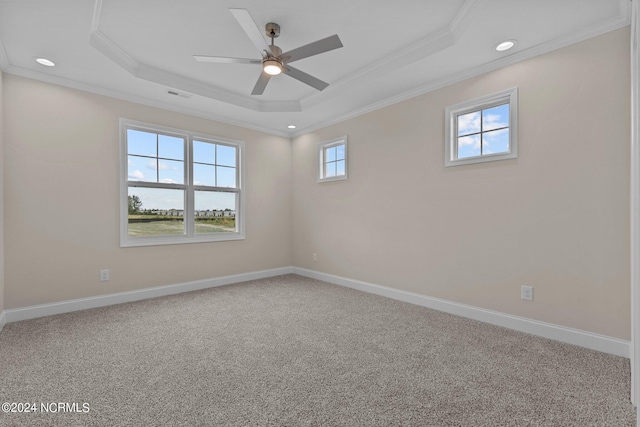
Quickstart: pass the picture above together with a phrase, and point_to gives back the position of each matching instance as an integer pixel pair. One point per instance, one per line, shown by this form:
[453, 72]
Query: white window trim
[190, 236]
[328, 144]
[509, 96]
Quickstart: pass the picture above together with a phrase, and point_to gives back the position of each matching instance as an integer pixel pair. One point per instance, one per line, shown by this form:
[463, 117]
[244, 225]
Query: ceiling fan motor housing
[273, 30]
[276, 50]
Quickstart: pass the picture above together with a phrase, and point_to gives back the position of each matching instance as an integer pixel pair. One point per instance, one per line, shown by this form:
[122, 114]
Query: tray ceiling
[142, 50]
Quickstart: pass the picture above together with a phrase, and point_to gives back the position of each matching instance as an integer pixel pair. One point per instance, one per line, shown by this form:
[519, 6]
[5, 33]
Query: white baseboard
[564, 334]
[585, 339]
[32, 312]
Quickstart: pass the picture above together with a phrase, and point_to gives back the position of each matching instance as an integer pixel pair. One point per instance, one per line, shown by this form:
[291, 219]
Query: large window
[178, 186]
[332, 160]
[482, 130]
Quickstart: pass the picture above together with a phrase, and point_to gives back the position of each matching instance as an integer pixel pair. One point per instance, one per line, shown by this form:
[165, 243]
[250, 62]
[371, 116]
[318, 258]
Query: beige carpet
[292, 351]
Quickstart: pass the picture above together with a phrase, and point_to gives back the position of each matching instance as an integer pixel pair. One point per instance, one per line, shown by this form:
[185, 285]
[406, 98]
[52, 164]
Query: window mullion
[216, 189]
[189, 195]
[148, 184]
[237, 172]
[325, 162]
[189, 212]
[215, 163]
[481, 131]
[157, 160]
[455, 140]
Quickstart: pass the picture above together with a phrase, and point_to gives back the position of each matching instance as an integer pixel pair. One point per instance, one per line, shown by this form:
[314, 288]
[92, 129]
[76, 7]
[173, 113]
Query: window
[482, 130]
[178, 186]
[332, 160]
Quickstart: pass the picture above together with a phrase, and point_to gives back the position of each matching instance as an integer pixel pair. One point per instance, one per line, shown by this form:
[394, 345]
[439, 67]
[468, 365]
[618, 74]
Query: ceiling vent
[180, 94]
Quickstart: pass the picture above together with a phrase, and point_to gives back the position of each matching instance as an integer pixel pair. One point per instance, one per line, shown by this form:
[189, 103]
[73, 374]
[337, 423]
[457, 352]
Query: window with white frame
[178, 186]
[483, 129]
[332, 160]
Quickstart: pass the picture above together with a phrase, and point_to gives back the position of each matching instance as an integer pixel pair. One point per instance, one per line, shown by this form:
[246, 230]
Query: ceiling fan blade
[304, 77]
[315, 48]
[222, 59]
[261, 84]
[249, 26]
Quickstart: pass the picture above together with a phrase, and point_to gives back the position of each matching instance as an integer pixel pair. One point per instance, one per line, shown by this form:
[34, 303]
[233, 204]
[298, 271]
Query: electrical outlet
[315, 256]
[104, 275]
[526, 293]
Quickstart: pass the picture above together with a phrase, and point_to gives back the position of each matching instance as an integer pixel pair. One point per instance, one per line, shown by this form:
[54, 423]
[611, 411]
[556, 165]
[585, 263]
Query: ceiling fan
[273, 60]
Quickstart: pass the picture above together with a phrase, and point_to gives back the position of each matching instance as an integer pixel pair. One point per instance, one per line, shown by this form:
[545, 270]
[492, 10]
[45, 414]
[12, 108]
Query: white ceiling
[393, 50]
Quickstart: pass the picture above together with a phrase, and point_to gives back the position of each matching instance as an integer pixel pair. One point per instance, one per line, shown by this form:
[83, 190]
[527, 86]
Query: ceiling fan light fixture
[272, 67]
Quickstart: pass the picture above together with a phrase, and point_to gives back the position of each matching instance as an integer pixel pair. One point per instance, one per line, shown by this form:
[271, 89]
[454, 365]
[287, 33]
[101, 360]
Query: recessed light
[46, 62]
[291, 126]
[505, 45]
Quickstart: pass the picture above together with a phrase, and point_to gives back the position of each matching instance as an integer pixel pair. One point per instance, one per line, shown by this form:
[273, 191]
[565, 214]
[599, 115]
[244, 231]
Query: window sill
[178, 240]
[333, 178]
[480, 159]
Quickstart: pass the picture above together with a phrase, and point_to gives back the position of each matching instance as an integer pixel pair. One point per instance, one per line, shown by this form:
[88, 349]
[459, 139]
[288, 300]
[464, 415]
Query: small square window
[332, 160]
[482, 130]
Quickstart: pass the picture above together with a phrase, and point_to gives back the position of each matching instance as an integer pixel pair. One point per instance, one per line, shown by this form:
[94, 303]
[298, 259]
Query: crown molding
[437, 41]
[612, 24]
[103, 44]
[4, 60]
[428, 46]
[461, 20]
[112, 51]
[73, 84]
